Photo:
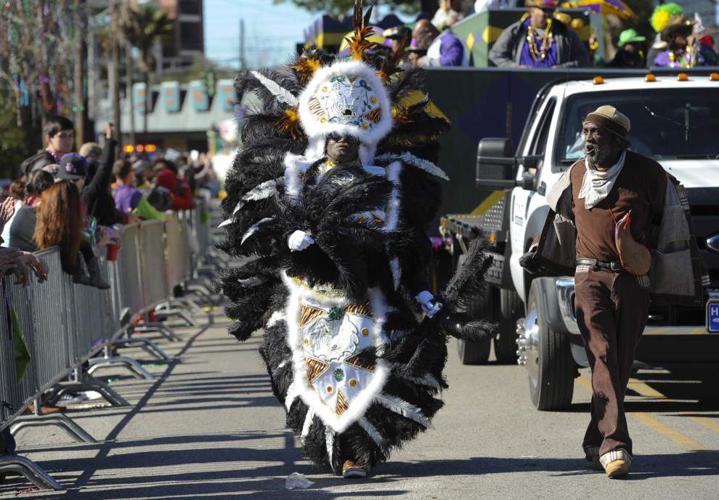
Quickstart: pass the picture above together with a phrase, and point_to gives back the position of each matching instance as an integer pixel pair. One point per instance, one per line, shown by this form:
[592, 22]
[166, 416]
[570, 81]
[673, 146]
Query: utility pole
[243, 63]
[129, 95]
[115, 57]
[80, 25]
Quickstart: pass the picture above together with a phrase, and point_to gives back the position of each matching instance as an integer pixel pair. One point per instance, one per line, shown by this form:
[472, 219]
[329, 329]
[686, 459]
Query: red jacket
[179, 191]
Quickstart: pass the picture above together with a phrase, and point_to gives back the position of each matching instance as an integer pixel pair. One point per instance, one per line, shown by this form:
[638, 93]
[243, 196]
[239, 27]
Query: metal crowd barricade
[64, 325]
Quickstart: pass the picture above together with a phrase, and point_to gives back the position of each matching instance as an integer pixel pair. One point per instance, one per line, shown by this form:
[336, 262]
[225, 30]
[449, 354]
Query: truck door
[522, 216]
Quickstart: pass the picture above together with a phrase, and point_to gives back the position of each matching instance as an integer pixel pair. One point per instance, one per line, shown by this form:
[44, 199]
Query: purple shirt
[526, 58]
[127, 198]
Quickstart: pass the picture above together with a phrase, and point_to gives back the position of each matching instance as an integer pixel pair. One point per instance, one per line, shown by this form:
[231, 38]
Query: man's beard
[596, 155]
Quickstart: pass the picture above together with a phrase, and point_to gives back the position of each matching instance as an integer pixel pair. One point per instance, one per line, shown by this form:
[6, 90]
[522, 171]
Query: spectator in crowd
[60, 223]
[631, 50]
[60, 135]
[96, 195]
[485, 5]
[683, 49]
[449, 12]
[17, 194]
[398, 36]
[128, 199]
[536, 41]
[433, 49]
[662, 16]
[22, 225]
[143, 176]
[166, 177]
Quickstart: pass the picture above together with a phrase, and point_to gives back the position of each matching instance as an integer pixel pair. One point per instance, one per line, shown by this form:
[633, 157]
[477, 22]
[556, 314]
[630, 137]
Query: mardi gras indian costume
[327, 203]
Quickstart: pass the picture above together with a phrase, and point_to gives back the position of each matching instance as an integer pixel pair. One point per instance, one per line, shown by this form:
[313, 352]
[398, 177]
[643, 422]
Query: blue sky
[271, 31]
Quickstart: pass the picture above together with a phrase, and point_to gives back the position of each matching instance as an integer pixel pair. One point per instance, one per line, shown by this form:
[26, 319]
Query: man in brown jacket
[616, 220]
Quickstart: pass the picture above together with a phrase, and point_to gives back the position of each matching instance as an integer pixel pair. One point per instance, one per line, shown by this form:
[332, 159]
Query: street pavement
[209, 427]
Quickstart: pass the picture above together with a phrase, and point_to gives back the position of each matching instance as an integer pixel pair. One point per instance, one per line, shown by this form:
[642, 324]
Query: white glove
[299, 240]
[429, 305]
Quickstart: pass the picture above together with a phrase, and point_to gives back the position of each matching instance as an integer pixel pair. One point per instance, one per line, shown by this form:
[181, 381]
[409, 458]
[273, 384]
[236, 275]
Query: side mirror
[496, 165]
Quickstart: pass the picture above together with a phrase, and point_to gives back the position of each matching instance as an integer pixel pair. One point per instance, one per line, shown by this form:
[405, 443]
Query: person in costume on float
[618, 224]
[683, 49]
[538, 41]
[330, 195]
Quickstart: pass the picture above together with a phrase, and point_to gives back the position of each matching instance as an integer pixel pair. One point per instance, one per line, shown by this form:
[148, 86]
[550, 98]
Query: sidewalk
[183, 438]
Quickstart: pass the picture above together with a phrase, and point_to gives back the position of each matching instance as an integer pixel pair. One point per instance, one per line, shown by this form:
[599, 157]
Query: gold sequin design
[309, 314]
[363, 361]
[359, 309]
[375, 115]
[315, 368]
[342, 403]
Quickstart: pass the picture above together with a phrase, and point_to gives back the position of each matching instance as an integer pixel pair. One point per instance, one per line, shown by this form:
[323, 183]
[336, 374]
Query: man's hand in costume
[635, 257]
[429, 305]
[299, 240]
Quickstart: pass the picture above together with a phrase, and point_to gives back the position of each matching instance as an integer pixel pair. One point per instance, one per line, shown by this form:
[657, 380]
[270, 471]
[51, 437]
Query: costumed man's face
[600, 146]
[342, 148]
[538, 17]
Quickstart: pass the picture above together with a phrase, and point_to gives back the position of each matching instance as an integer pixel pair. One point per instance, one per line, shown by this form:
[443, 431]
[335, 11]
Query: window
[667, 124]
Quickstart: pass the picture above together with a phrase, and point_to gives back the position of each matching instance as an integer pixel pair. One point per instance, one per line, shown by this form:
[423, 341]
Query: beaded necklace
[547, 38]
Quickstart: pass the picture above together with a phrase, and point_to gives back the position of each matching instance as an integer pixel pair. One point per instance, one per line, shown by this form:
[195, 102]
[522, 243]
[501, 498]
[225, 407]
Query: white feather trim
[226, 222]
[396, 271]
[259, 192]
[255, 227]
[307, 424]
[282, 95]
[413, 160]
[393, 172]
[293, 392]
[427, 380]
[330, 444]
[373, 433]
[313, 127]
[402, 407]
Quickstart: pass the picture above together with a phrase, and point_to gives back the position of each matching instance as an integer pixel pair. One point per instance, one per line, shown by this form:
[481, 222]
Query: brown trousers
[612, 309]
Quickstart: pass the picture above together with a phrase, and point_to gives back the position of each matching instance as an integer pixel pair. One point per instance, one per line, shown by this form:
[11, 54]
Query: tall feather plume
[360, 39]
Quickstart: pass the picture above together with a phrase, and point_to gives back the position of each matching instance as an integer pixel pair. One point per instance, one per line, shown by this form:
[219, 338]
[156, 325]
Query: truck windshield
[667, 124]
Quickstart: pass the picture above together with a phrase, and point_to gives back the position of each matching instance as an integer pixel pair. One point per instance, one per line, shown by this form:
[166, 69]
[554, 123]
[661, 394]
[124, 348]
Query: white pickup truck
[675, 120]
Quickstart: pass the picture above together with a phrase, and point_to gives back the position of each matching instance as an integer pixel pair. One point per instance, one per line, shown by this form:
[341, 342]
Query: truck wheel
[548, 356]
[477, 353]
[511, 308]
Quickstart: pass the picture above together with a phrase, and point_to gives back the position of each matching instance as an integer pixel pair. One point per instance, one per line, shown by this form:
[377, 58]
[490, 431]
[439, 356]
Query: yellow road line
[652, 422]
[662, 428]
[488, 202]
[707, 422]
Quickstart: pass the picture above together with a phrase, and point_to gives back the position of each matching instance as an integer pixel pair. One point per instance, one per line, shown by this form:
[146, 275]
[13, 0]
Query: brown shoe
[616, 463]
[351, 469]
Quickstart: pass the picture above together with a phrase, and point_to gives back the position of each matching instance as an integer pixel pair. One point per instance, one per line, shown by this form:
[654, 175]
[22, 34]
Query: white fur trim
[415, 161]
[312, 126]
[309, 395]
[402, 407]
[255, 227]
[282, 94]
[275, 318]
[295, 166]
